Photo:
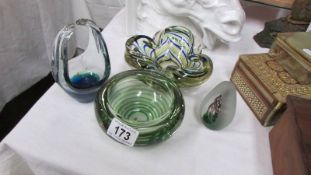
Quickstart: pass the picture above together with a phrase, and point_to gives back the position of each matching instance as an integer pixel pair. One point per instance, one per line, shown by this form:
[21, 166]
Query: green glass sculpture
[147, 101]
[218, 106]
[172, 52]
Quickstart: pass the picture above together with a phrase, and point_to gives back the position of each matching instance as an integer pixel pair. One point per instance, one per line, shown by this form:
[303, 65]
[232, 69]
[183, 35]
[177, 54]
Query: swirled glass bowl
[144, 100]
[172, 52]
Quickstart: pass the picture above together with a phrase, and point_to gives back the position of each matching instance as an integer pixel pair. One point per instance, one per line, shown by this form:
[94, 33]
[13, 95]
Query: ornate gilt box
[264, 81]
[291, 51]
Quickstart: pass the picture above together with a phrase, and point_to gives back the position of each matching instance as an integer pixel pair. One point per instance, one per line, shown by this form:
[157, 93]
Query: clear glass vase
[80, 61]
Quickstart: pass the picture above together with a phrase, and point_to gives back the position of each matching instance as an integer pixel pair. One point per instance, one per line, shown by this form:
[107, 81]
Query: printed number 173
[122, 132]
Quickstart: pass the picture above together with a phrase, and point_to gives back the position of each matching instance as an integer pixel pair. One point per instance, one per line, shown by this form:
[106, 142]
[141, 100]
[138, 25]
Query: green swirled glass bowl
[144, 100]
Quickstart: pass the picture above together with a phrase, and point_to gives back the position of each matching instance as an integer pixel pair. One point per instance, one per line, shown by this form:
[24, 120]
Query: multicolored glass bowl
[172, 52]
[147, 101]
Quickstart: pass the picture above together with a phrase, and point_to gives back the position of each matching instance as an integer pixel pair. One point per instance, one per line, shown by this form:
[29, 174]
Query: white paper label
[308, 51]
[122, 132]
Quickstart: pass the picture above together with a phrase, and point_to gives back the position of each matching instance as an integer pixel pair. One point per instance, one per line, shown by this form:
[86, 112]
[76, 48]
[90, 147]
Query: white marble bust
[209, 20]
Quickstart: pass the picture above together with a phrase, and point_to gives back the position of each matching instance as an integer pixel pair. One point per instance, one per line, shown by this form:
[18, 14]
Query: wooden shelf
[278, 3]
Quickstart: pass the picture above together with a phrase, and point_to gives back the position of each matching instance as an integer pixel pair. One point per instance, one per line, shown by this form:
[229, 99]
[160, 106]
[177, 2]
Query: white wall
[27, 31]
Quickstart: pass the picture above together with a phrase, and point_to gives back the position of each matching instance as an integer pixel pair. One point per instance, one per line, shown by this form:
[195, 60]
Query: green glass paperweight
[172, 52]
[139, 107]
[218, 107]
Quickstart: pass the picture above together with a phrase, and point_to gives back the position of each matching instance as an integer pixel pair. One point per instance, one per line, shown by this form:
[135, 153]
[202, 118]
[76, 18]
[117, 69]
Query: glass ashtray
[145, 101]
[172, 52]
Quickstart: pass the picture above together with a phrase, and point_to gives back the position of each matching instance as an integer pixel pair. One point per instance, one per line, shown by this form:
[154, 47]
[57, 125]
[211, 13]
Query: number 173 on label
[122, 132]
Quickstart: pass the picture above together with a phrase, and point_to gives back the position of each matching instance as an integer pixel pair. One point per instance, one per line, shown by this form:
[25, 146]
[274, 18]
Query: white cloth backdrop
[27, 31]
